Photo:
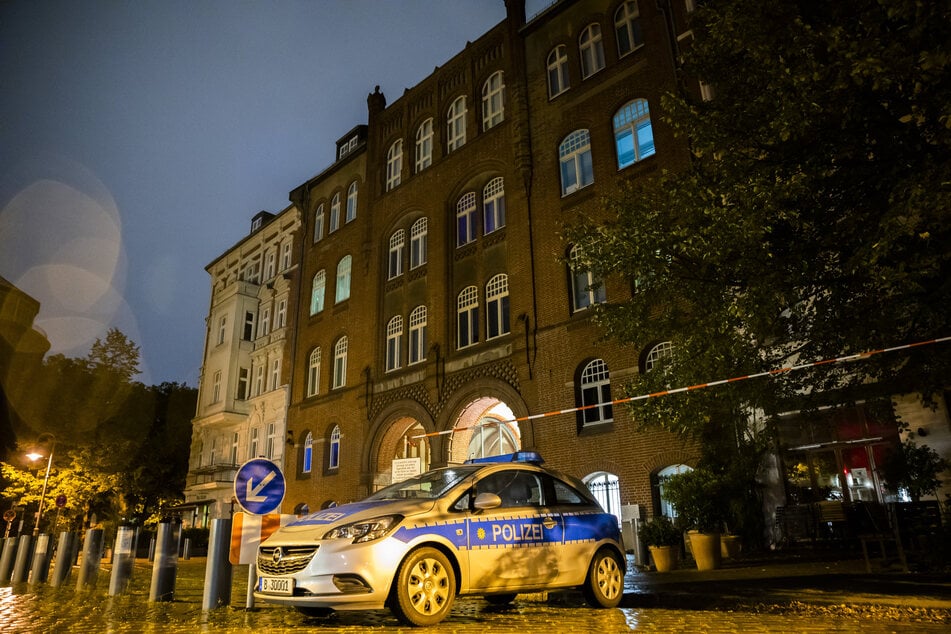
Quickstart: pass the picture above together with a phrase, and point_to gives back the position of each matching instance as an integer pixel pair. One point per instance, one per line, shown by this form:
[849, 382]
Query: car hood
[326, 519]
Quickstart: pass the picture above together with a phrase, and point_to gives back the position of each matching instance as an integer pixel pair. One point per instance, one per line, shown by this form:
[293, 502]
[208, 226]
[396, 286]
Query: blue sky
[138, 138]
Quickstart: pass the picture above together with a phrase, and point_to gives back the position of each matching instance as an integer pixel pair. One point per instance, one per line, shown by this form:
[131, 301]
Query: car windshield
[429, 485]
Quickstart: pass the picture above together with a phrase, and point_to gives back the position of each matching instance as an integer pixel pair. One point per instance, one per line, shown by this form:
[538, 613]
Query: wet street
[36, 608]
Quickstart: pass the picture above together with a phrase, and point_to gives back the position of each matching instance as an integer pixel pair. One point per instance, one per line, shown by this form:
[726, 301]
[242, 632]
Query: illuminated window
[317, 291]
[333, 459]
[342, 289]
[577, 169]
[465, 219]
[308, 458]
[633, 134]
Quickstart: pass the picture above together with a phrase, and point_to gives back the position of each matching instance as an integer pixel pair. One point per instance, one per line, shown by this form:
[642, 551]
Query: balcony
[211, 474]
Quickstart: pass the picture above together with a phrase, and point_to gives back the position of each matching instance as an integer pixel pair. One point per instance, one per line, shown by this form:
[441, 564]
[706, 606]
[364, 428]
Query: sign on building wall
[404, 468]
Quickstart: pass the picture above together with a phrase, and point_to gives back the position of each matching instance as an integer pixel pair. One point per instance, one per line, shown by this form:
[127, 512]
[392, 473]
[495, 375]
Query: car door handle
[549, 523]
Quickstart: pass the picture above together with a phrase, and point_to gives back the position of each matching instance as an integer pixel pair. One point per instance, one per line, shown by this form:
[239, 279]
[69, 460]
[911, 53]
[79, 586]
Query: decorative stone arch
[387, 430]
[658, 463]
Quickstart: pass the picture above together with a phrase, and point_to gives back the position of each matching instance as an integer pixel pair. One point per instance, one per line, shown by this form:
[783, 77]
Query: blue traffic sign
[259, 486]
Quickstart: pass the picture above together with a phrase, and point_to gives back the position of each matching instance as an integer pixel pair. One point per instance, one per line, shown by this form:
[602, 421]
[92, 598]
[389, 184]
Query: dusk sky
[138, 138]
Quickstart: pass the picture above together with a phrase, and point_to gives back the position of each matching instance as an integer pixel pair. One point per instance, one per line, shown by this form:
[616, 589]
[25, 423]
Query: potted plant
[663, 540]
[700, 498]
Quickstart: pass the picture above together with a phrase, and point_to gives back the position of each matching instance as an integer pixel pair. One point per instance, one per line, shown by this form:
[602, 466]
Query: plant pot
[706, 550]
[665, 557]
[729, 546]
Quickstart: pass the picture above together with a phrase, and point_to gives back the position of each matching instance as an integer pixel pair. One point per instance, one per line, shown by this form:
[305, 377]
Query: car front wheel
[425, 588]
[604, 586]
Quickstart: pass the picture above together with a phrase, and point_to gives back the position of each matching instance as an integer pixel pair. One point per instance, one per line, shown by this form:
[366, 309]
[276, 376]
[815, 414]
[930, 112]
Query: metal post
[166, 560]
[187, 549]
[92, 556]
[252, 581]
[42, 554]
[21, 568]
[218, 570]
[65, 556]
[6, 559]
[122, 560]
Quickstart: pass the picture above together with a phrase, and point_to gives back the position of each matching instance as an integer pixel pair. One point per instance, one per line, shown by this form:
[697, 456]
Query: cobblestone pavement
[26, 608]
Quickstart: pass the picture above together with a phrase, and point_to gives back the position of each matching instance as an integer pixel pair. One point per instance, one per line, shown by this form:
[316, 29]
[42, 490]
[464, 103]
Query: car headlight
[367, 530]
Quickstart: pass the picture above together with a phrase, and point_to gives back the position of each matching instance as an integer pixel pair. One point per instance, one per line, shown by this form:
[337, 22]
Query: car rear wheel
[604, 586]
[425, 588]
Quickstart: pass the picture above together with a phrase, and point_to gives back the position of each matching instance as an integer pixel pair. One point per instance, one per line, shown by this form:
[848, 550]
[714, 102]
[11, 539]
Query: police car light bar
[532, 457]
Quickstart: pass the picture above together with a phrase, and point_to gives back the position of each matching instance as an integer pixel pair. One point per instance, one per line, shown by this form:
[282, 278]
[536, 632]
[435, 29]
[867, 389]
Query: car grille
[292, 559]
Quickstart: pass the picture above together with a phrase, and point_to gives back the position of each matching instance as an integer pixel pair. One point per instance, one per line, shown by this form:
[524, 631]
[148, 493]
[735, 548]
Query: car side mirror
[485, 501]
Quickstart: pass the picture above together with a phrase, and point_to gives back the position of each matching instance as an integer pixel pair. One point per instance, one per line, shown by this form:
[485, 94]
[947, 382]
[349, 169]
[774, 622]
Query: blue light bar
[519, 456]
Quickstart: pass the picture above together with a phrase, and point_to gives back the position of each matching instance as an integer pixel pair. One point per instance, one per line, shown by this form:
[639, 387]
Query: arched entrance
[403, 444]
[606, 489]
[481, 431]
[666, 508]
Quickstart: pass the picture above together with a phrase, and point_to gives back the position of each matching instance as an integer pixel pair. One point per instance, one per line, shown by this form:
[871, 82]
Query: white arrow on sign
[253, 491]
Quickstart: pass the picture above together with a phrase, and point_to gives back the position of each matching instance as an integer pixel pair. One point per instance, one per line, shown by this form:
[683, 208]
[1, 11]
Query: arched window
[335, 212]
[394, 342]
[317, 290]
[418, 339]
[424, 145]
[313, 372]
[627, 26]
[592, 50]
[577, 169]
[586, 289]
[467, 317]
[417, 244]
[595, 390]
[633, 134]
[307, 460]
[333, 458]
[352, 201]
[656, 354]
[493, 100]
[319, 223]
[465, 219]
[666, 508]
[456, 125]
[607, 491]
[558, 80]
[342, 289]
[493, 205]
[497, 306]
[340, 363]
[395, 260]
[394, 165]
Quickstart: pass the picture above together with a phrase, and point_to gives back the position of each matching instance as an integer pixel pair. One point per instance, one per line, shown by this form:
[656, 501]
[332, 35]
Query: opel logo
[277, 555]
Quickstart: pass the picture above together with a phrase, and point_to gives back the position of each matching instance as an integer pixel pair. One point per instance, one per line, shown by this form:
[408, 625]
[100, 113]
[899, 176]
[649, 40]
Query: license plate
[276, 585]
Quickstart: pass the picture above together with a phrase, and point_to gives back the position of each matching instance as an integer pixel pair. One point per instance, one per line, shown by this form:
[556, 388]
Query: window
[465, 219]
[493, 205]
[394, 165]
[586, 290]
[285, 256]
[340, 363]
[342, 291]
[319, 223]
[627, 25]
[259, 380]
[456, 125]
[558, 81]
[307, 460]
[417, 243]
[317, 289]
[352, 202]
[633, 135]
[467, 313]
[264, 324]
[394, 341]
[493, 100]
[333, 460]
[418, 341]
[313, 372]
[270, 265]
[424, 145]
[248, 334]
[244, 384]
[497, 306]
[592, 50]
[574, 154]
[397, 244]
[222, 329]
[254, 443]
[281, 318]
[335, 212]
[275, 380]
[656, 354]
[270, 451]
[234, 448]
[596, 390]
[251, 272]
[216, 388]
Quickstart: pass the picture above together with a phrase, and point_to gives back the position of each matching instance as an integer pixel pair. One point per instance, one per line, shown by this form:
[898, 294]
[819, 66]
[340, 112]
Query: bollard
[6, 558]
[187, 549]
[151, 550]
[123, 559]
[252, 581]
[92, 556]
[218, 571]
[166, 560]
[65, 556]
[21, 568]
[42, 553]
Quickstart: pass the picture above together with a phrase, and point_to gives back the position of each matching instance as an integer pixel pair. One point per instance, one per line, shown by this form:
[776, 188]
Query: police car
[492, 526]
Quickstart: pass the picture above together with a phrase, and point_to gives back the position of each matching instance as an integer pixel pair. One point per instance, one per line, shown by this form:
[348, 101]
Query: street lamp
[34, 455]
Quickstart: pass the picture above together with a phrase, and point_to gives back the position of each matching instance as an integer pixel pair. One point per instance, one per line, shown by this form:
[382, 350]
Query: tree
[117, 353]
[914, 468]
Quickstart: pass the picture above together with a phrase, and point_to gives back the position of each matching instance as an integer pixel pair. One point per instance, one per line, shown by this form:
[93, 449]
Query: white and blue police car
[494, 526]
